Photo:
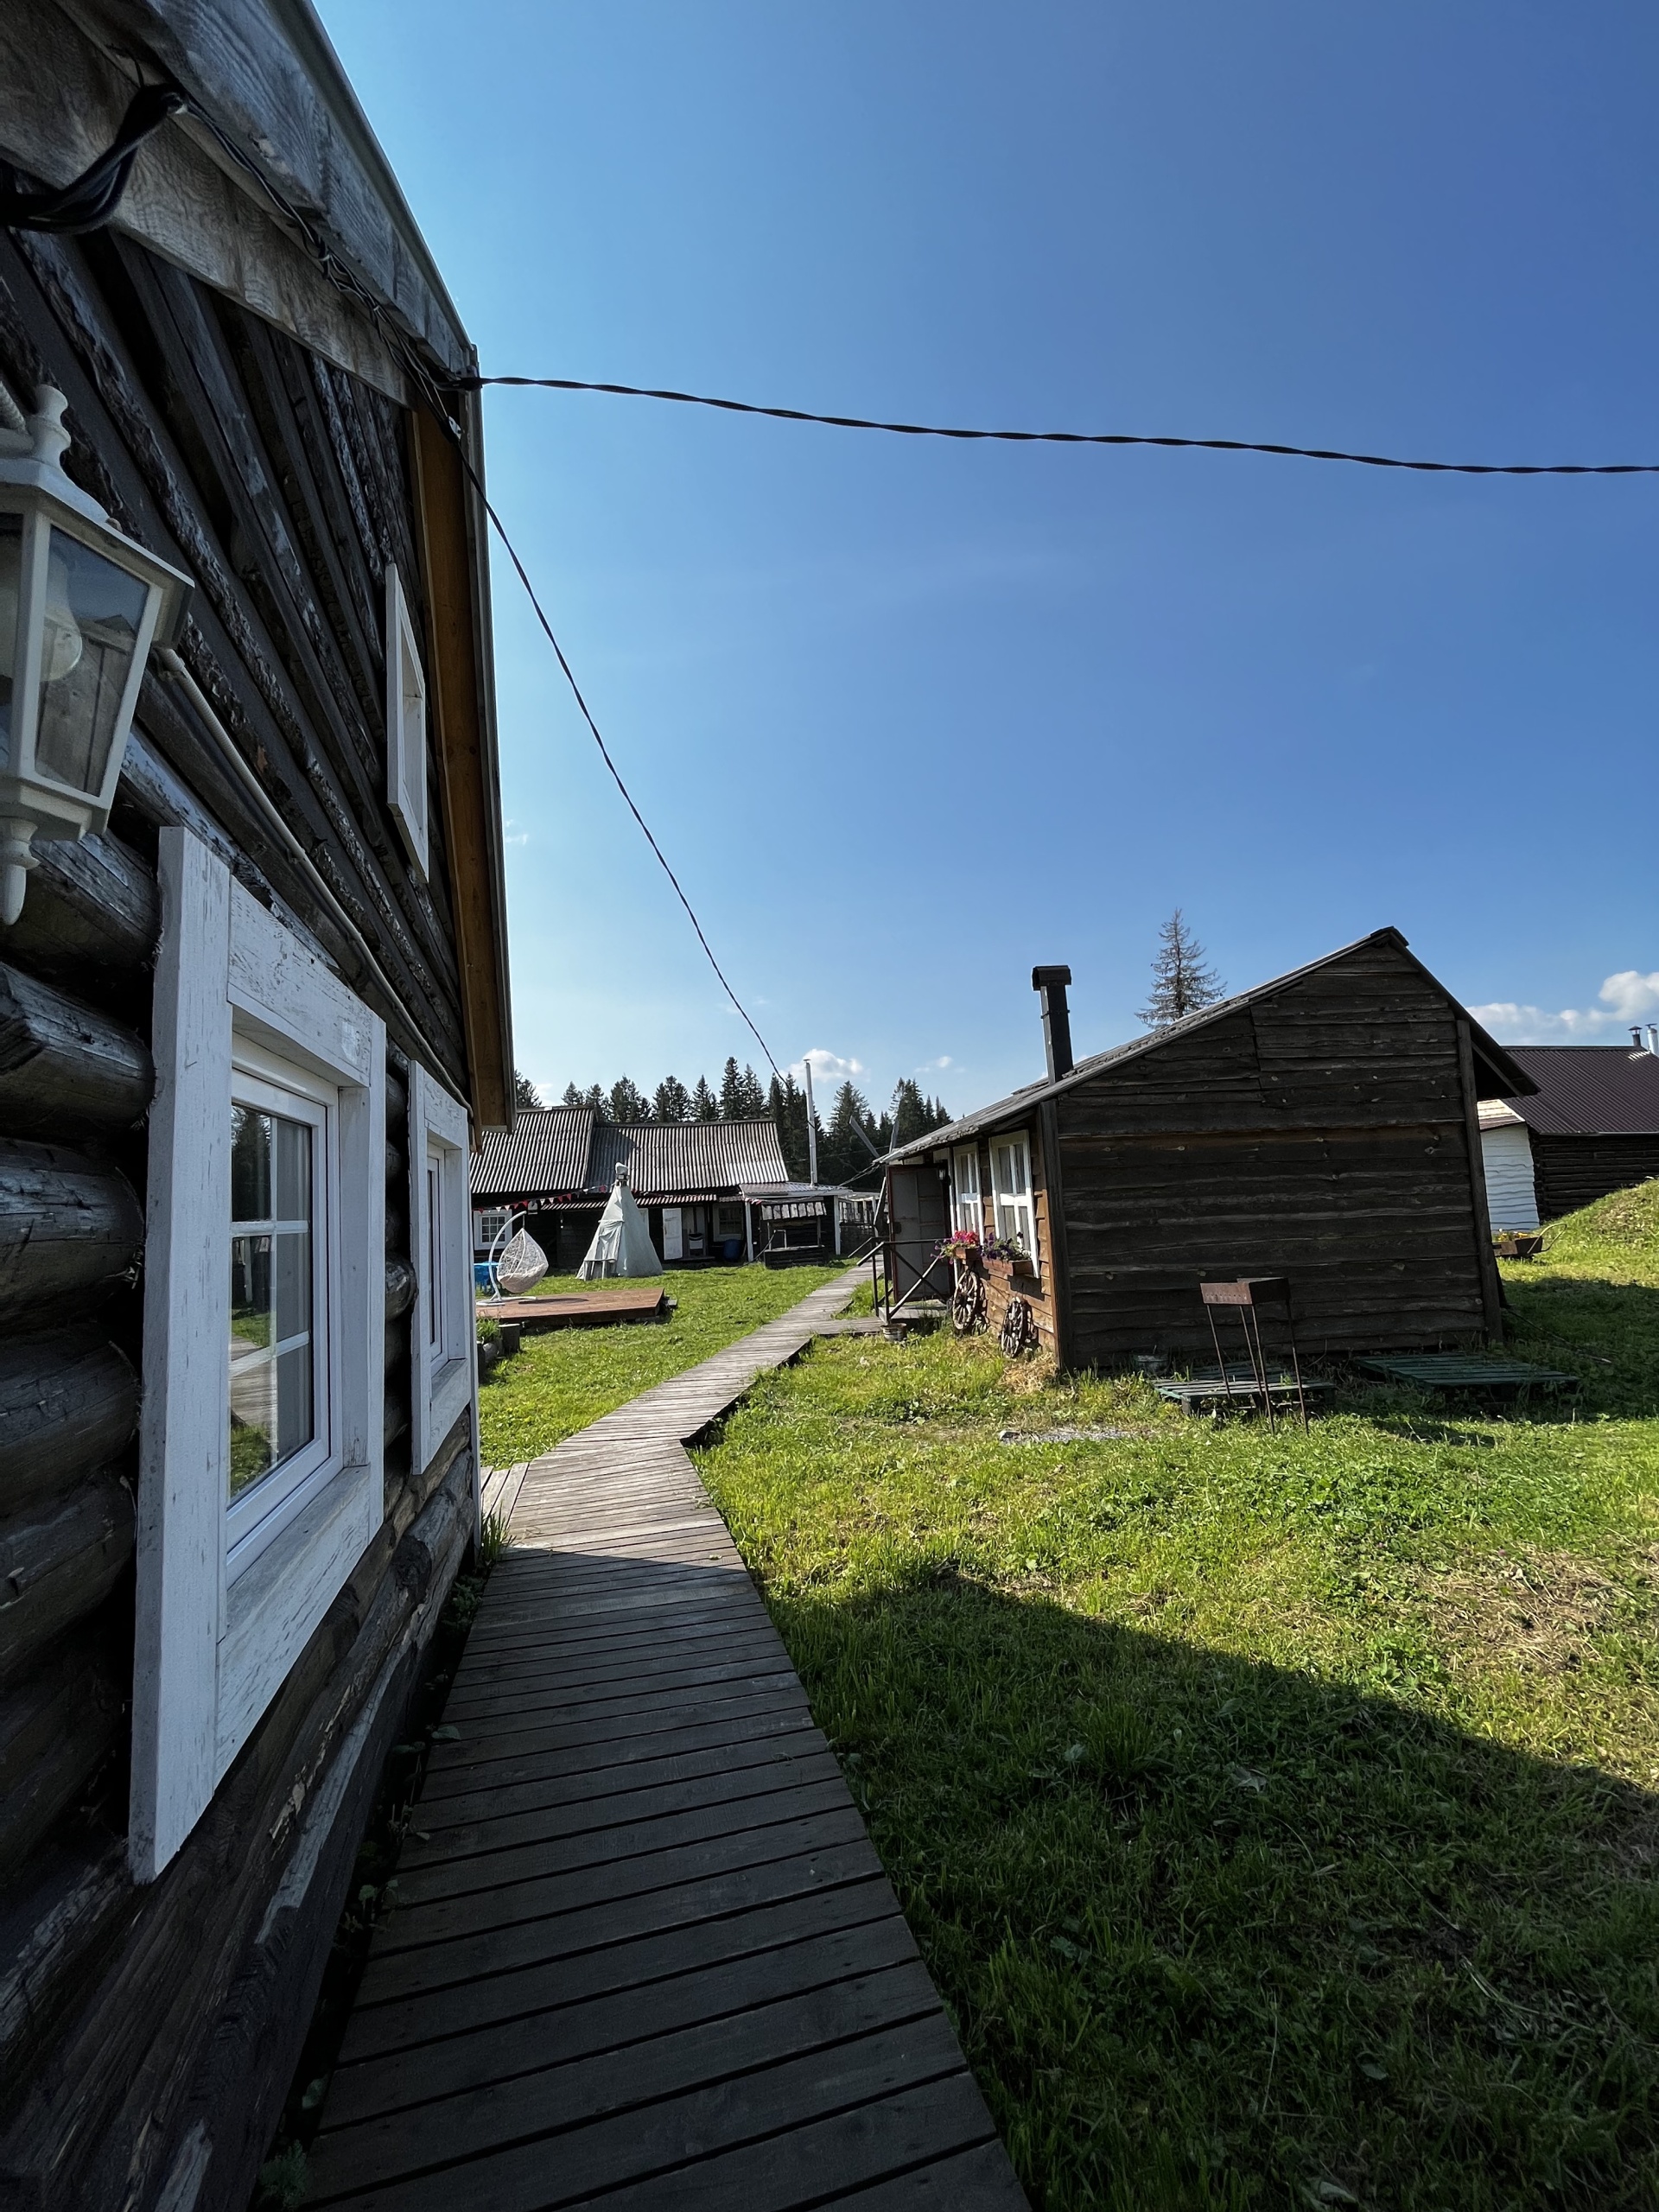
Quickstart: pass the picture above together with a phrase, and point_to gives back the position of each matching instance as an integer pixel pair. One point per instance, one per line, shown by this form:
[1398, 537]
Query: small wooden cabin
[1322, 1127]
[1589, 1126]
[246, 1035]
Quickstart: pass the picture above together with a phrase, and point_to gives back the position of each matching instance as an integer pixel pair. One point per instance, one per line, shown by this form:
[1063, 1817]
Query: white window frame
[488, 1222]
[224, 1609]
[406, 790]
[966, 1203]
[444, 1337]
[1013, 1200]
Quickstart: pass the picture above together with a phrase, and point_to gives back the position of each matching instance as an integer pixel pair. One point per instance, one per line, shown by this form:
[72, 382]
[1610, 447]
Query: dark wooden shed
[247, 1032]
[1321, 1127]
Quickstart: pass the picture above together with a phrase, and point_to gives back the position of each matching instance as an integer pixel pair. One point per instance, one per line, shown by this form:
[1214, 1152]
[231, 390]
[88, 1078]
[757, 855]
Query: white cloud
[931, 1067]
[832, 1065]
[1627, 997]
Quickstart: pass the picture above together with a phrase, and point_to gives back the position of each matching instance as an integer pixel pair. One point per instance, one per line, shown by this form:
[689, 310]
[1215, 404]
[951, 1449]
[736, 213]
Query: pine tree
[524, 1093]
[1181, 983]
[627, 1102]
[671, 1101]
[594, 1097]
[705, 1107]
[741, 1098]
[786, 1104]
[843, 1155]
[572, 1096]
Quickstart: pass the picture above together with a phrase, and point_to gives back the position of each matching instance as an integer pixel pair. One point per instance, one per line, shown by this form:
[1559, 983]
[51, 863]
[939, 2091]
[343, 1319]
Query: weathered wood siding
[1038, 1290]
[1320, 1134]
[147, 2036]
[1570, 1171]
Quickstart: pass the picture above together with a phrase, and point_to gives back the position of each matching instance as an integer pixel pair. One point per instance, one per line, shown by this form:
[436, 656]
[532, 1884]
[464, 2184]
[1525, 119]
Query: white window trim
[445, 1373]
[217, 1634]
[1007, 1207]
[406, 786]
[965, 1189]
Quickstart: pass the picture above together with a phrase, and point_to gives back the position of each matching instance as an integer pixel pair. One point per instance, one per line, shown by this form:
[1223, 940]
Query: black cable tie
[90, 200]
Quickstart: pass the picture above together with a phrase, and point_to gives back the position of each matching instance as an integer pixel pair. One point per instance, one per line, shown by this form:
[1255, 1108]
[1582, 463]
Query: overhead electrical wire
[1080, 437]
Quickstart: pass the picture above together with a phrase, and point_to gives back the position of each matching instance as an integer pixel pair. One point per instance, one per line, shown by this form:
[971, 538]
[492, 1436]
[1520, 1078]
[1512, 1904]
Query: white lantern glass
[94, 616]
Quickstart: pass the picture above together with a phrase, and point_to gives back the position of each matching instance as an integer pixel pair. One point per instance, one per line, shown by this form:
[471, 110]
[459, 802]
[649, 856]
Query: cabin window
[445, 1365]
[964, 1173]
[487, 1224]
[405, 723]
[260, 1462]
[1011, 1194]
[281, 1372]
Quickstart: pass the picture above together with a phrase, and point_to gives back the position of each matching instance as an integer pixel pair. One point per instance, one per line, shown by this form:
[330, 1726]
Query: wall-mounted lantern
[80, 607]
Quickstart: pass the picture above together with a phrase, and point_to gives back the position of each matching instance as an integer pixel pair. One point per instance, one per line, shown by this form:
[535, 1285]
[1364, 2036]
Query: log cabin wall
[1322, 1132]
[147, 2035]
[1570, 1171]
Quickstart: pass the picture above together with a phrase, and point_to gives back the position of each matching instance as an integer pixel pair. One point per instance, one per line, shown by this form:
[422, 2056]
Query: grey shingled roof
[675, 1161]
[544, 1155]
[1494, 1068]
[1604, 1091]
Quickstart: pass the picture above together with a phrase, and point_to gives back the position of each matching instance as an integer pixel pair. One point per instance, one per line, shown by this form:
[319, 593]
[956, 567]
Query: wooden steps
[643, 1954]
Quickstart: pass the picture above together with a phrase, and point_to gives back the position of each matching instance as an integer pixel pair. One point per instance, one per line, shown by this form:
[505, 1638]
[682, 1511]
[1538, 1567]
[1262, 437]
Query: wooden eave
[462, 698]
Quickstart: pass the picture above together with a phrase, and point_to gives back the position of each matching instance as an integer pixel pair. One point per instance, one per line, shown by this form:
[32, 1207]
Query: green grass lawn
[562, 1380]
[1277, 1813]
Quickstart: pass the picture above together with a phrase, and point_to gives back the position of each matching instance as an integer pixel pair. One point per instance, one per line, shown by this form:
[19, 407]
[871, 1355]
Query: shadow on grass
[1219, 1935]
[1606, 1332]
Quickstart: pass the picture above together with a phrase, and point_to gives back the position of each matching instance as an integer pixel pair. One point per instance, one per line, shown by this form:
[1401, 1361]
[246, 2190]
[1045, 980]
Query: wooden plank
[611, 2148]
[624, 2017]
[632, 1962]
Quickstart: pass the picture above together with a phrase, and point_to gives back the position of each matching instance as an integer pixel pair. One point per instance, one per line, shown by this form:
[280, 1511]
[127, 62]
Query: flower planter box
[1008, 1271]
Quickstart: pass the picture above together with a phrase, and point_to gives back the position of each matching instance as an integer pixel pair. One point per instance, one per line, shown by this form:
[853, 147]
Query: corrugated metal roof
[1493, 1065]
[544, 1155]
[1495, 1114]
[676, 1161]
[1604, 1091]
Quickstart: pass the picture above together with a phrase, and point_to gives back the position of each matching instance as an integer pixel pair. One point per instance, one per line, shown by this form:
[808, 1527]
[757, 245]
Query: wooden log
[55, 1925]
[56, 1727]
[92, 903]
[65, 1069]
[68, 1403]
[70, 1233]
[57, 1563]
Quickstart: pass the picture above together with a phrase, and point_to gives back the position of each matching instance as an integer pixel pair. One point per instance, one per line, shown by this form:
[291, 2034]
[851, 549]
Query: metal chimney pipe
[1635, 1036]
[1051, 983]
[1653, 1036]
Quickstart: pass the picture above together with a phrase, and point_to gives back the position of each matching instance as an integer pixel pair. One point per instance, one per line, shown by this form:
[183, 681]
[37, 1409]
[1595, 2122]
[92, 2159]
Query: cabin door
[919, 1225]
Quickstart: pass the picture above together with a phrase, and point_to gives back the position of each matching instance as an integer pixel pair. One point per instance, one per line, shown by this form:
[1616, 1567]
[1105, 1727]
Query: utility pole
[811, 1128]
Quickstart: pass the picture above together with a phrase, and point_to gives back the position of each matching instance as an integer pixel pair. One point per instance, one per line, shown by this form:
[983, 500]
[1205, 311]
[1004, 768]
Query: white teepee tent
[621, 1244]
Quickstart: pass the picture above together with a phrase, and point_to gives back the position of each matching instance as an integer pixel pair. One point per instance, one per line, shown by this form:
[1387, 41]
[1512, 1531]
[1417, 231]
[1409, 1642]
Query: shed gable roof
[1495, 1072]
[544, 1154]
[1605, 1090]
[674, 1160]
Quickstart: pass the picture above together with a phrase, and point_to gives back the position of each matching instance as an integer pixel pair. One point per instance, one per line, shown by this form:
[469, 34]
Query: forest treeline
[849, 1141]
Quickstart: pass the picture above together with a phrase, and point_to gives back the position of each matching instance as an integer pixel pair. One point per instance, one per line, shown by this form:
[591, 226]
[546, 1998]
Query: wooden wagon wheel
[1017, 1331]
[966, 1303]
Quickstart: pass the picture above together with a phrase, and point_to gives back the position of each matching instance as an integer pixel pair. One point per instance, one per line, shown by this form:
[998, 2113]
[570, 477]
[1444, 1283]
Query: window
[1016, 1218]
[444, 1362]
[964, 1172]
[260, 1462]
[405, 722]
[487, 1224]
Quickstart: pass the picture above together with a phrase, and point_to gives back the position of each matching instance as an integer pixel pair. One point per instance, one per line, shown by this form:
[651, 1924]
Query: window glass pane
[272, 1410]
[435, 1285]
[292, 1269]
[251, 1147]
[93, 611]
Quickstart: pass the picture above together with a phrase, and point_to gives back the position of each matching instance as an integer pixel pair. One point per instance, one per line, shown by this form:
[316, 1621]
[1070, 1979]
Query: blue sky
[908, 716]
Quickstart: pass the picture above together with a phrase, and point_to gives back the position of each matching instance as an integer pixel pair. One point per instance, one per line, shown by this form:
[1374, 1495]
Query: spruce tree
[572, 1096]
[741, 1098]
[705, 1107]
[627, 1102]
[594, 1097]
[524, 1093]
[671, 1101]
[1181, 984]
[786, 1104]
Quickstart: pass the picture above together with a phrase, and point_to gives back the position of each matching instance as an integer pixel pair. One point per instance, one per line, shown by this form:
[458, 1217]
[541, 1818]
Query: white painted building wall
[1506, 1154]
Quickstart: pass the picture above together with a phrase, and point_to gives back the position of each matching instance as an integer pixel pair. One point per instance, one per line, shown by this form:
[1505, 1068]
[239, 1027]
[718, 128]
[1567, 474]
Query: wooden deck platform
[643, 1954]
[586, 1309]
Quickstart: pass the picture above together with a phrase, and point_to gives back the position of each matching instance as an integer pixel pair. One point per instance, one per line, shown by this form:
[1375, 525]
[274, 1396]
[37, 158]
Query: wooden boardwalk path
[644, 1955]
